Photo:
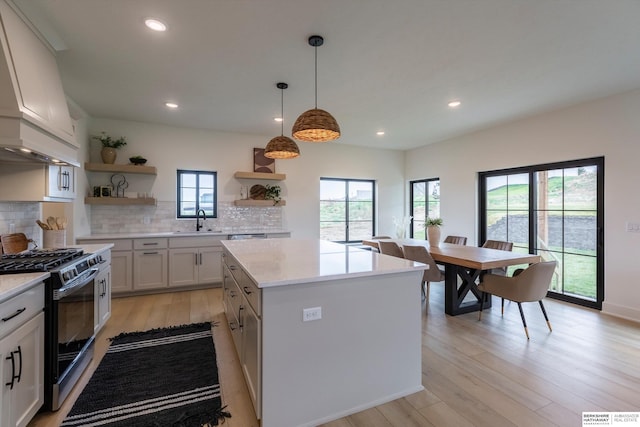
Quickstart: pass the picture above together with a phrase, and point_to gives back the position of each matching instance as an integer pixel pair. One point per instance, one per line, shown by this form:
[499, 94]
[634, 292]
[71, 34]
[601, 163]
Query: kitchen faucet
[204, 218]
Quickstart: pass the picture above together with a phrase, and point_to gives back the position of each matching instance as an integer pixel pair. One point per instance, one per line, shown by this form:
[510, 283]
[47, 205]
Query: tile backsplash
[162, 218]
[20, 217]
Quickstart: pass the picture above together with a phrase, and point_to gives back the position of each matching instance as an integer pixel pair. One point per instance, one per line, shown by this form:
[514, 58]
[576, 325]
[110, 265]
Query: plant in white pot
[433, 230]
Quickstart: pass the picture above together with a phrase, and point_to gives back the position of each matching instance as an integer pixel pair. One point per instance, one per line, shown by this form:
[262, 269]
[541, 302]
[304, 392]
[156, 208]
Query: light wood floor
[474, 373]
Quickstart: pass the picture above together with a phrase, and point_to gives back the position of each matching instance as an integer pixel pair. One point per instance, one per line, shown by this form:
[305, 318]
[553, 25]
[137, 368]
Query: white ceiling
[385, 65]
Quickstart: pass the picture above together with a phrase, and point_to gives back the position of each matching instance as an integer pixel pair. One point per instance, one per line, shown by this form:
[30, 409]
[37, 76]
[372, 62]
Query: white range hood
[35, 124]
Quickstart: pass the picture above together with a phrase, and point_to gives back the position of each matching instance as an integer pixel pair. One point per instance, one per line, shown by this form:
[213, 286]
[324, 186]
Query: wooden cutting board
[14, 243]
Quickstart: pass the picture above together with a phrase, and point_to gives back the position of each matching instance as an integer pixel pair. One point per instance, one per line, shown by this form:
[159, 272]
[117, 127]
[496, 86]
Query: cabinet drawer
[21, 308]
[150, 243]
[252, 293]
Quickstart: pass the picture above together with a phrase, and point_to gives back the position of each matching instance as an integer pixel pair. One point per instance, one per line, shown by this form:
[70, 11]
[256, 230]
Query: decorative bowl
[138, 160]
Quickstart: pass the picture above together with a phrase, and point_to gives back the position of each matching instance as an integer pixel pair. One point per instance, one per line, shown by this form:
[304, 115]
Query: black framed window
[555, 210]
[347, 209]
[424, 201]
[197, 190]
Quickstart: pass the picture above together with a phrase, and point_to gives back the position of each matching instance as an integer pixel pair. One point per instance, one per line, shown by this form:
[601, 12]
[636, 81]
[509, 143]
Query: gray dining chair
[526, 285]
[390, 248]
[456, 240]
[381, 237]
[433, 274]
[502, 246]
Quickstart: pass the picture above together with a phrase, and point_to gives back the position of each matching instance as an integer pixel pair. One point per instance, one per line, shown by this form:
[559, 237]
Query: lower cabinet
[150, 269]
[102, 311]
[22, 373]
[193, 266]
[121, 271]
[241, 299]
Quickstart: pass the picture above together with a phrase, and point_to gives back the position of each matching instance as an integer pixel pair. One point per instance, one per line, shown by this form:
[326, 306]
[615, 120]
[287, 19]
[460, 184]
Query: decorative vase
[433, 235]
[108, 155]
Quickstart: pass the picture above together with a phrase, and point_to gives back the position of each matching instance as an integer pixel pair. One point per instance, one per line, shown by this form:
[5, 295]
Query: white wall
[609, 127]
[170, 148]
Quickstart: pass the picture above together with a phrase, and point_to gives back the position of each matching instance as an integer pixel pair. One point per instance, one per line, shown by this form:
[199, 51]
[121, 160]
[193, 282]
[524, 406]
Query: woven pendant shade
[316, 125]
[281, 147]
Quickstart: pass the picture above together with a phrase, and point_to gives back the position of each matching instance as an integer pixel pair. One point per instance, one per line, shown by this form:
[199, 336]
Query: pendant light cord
[282, 112]
[316, 75]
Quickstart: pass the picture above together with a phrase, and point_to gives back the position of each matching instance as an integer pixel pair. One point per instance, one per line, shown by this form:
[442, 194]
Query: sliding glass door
[556, 211]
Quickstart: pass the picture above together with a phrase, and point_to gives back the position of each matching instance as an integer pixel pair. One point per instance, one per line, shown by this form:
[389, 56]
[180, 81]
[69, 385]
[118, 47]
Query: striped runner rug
[161, 377]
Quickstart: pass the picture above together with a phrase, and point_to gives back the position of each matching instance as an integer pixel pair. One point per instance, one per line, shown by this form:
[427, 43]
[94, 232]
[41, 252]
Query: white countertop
[96, 248]
[277, 262]
[14, 284]
[141, 235]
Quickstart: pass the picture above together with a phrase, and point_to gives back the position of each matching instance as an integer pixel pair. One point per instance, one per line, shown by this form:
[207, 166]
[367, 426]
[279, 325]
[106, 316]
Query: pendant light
[282, 147]
[316, 125]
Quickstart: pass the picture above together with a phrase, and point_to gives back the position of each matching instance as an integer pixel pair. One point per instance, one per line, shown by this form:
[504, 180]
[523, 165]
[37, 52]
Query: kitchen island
[322, 330]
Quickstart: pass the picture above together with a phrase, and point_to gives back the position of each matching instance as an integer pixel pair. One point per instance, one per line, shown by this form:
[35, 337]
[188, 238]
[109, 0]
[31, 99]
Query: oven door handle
[62, 292]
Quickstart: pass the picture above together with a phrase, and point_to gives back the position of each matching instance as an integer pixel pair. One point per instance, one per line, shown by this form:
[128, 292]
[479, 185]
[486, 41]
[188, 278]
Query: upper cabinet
[33, 109]
[38, 183]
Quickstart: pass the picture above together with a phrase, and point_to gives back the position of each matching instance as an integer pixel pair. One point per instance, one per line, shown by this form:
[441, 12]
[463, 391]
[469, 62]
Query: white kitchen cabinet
[102, 311]
[121, 261]
[242, 303]
[22, 357]
[37, 183]
[195, 260]
[61, 181]
[150, 269]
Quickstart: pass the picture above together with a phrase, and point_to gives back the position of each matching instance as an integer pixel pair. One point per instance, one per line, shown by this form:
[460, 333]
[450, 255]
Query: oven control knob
[92, 261]
[65, 275]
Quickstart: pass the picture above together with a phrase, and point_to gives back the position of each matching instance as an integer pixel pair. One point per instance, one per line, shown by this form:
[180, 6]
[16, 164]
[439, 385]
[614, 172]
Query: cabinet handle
[150, 253]
[232, 267]
[247, 291]
[232, 294]
[240, 316]
[150, 244]
[196, 258]
[15, 377]
[200, 259]
[17, 313]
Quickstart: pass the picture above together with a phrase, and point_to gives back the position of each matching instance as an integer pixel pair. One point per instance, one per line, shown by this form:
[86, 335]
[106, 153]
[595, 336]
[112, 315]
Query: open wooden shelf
[261, 175]
[103, 167]
[119, 201]
[259, 203]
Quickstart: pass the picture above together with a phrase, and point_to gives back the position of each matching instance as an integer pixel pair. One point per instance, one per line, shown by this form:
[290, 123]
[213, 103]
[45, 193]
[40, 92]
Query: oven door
[74, 313]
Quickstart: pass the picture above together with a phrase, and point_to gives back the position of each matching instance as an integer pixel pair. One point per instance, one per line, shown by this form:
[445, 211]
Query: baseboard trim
[621, 311]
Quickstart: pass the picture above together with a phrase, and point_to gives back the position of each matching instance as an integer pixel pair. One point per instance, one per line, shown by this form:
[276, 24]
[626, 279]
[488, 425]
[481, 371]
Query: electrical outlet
[633, 227]
[313, 313]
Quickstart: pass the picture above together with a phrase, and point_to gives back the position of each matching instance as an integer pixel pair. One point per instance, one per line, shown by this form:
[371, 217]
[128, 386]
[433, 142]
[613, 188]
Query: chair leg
[524, 322]
[428, 290]
[545, 316]
[483, 295]
[502, 305]
[424, 295]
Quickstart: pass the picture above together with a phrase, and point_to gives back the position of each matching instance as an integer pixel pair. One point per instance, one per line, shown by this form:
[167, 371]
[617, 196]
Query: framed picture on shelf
[105, 191]
[262, 163]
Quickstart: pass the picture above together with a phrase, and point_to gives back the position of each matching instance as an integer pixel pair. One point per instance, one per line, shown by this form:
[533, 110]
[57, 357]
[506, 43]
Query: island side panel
[366, 349]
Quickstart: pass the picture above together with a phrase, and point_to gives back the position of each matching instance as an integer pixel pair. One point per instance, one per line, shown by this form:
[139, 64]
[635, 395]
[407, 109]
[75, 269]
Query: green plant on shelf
[108, 142]
[273, 193]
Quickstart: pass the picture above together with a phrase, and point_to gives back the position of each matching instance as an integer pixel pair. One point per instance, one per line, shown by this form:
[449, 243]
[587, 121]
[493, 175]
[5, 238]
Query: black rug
[162, 377]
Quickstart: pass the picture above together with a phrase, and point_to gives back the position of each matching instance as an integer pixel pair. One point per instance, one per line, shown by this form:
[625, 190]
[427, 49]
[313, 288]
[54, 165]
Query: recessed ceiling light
[380, 133]
[171, 105]
[277, 119]
[454, 104]
[155, 25]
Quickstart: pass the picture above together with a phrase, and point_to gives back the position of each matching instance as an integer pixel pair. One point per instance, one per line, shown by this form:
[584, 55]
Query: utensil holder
[54, 238]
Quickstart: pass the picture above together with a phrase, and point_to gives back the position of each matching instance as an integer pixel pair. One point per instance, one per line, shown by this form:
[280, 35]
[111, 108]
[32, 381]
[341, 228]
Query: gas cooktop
[37, 260]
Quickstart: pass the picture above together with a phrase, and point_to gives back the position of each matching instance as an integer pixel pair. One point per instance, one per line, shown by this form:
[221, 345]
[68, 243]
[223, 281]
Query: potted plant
[272, 193]
[109, 146]
[433, 230]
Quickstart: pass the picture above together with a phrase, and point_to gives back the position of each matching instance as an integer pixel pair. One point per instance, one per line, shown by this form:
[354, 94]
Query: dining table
[462, 267]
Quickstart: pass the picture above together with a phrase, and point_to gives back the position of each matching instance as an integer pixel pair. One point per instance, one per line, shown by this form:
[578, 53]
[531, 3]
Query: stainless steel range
[69, 313]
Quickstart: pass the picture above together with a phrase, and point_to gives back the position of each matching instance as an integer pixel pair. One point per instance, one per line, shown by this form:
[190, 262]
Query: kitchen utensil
[42, 225]
[64, 222]
[59, 223]
[51, 222]
[14, 243]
